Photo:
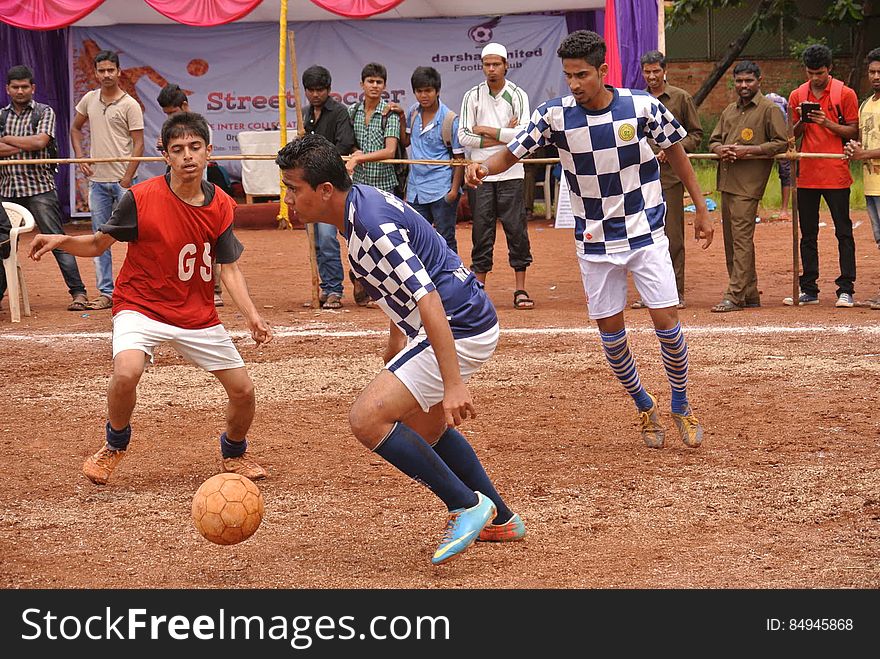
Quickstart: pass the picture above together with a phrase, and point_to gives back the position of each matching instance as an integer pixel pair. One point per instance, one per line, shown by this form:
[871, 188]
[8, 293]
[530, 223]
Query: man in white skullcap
[492, 113]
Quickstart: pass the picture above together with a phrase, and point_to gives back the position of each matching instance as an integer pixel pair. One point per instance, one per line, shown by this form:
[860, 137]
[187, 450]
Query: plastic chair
[22, 221]
[548, 188]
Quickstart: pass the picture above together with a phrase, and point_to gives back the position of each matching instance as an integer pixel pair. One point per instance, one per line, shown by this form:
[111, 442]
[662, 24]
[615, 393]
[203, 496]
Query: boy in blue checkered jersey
[603, 134]
[443, 328]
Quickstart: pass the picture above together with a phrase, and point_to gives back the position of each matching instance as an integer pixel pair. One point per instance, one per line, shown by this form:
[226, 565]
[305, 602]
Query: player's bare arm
[93, 245]
[681, 165]
[233, 280]
[457, 402]
[396, 342]
[500, 162]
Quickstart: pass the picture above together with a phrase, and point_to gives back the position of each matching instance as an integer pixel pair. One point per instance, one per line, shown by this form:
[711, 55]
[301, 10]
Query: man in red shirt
[175, 226]
[825, 130]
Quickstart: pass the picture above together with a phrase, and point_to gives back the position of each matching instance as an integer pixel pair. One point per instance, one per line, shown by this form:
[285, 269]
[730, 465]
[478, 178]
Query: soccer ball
[227, 508]
[480, 34]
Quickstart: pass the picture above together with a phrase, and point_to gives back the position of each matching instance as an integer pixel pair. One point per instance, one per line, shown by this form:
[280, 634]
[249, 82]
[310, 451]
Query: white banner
[231, 71]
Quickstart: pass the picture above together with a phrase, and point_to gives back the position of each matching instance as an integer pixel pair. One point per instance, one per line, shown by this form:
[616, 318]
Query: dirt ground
[782, 494]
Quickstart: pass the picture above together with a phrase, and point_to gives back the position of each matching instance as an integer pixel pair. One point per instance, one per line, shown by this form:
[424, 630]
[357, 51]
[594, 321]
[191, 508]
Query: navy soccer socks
[118, 440]
[456, 452]
[230, 449]
[405, 449]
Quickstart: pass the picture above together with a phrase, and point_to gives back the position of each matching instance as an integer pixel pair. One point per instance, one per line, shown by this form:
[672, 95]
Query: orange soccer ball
[227, 508]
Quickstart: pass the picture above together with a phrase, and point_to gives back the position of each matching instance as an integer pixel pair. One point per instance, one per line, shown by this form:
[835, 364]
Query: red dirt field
[784, 492]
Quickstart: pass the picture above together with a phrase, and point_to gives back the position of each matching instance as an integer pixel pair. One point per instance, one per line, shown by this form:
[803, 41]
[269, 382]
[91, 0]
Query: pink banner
[612, 55]
[357, 8]
[45, 14]
[204, 12]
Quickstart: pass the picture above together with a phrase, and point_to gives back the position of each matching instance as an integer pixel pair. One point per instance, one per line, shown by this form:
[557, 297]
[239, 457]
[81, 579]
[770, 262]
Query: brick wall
[780, 76]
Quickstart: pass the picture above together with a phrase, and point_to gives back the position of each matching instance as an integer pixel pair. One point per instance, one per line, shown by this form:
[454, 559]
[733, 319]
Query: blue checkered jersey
[614, 178]
[399, 258]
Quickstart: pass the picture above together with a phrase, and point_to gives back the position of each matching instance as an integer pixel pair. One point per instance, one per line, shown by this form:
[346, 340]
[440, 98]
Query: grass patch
[705, 170]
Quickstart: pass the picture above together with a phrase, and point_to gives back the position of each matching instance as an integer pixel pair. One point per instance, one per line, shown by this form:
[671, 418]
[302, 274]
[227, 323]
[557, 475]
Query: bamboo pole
[451, 163]
[283, 215]
[300, 130]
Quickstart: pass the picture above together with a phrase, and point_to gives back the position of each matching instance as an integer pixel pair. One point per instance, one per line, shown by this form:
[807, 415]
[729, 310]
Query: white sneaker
[844, 300]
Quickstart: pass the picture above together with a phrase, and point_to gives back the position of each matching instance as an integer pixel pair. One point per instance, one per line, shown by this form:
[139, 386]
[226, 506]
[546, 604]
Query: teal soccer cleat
[463, 528]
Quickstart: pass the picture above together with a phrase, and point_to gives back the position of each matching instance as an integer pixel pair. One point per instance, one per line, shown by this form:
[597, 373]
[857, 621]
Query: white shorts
[210, 348]
[604, 277]
[416, 365]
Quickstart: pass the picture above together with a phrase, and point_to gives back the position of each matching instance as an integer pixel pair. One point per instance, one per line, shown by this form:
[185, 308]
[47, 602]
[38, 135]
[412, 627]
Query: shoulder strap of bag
[446, 128]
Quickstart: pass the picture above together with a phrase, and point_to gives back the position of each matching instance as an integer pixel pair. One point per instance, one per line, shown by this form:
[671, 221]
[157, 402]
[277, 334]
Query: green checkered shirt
[370, 137]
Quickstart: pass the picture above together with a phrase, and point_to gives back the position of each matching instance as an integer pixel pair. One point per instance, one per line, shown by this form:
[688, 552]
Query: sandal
[332, 301]
[521, 300]
[638, 304]
[726, 305]
[80, 303]
[100, 302]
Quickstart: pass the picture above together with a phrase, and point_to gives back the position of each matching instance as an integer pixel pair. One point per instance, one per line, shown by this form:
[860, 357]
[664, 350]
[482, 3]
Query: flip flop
[726, 305]
[79, 303]
[521, 300]
[100, 302]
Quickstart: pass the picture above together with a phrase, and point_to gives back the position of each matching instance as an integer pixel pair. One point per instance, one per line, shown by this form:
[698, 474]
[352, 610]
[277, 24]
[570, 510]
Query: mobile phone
[806, 108]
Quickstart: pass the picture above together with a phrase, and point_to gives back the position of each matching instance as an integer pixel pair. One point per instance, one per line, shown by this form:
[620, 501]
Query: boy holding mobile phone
[825, 130]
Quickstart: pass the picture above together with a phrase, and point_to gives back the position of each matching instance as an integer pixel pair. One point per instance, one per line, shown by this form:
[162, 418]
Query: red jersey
[167, 274]
[825, 174]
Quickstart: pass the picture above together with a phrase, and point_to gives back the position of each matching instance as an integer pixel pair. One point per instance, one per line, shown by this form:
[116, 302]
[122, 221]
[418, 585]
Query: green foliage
[796, 48]
[784, 12]
[772, 200]
[708, 122]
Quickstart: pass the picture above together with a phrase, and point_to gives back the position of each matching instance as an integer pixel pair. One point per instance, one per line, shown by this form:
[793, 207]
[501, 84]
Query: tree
[771, 16]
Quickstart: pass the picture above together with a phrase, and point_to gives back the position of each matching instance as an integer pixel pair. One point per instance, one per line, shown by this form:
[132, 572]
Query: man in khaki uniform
[752, 126]
[682, 106]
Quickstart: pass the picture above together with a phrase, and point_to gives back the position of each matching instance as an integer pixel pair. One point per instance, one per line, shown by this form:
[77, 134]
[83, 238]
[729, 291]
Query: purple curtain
[637, 25]
[45, 53]
[593, 20]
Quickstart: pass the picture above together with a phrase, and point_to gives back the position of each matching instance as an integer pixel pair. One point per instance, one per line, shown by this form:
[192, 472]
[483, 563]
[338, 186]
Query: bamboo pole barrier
[300, 129]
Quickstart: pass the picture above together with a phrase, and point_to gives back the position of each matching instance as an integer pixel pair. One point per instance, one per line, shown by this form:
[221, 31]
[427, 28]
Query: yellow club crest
[747, 134]
[626, 132]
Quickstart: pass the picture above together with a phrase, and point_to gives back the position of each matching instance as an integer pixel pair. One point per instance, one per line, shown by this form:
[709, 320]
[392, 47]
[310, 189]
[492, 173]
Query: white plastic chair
[548, 192]
[22, 221]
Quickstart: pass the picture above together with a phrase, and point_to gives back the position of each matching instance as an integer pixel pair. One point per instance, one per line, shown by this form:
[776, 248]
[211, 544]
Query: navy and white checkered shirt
[399, 258]
[614, 178]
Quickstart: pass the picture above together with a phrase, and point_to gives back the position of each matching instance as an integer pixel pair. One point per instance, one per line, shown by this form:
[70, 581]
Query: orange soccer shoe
[513, 529]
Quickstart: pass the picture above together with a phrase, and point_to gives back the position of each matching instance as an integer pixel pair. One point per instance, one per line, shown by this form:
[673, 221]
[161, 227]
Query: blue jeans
[442, 215]
[47, 213]
[873, 205]
[103, 197]
[329, 261]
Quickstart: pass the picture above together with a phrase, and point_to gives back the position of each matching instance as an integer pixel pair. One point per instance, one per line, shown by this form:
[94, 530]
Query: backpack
[36, 116]
[401, 170]
[836, 93]
[218, 175]
[445, 128]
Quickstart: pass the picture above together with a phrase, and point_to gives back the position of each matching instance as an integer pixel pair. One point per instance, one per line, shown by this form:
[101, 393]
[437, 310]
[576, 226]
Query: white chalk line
[312, 332]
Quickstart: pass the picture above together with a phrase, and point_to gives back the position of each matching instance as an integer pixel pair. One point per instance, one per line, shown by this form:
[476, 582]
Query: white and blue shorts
[604, 277]
[210, 348]
[416, 365]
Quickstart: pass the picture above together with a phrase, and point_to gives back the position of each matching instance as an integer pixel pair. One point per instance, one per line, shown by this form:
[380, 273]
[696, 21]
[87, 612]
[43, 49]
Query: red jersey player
[174, 226]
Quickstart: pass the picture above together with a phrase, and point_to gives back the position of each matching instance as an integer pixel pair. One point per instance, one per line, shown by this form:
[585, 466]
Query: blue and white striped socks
[624, 366]
[673, 349]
